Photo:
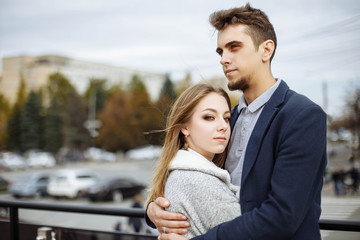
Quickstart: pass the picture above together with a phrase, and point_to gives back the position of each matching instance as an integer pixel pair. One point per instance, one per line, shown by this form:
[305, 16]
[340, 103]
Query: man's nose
[225, 58]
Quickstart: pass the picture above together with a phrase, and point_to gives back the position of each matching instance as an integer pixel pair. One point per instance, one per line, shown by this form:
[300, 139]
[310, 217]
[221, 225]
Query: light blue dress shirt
[241, 133]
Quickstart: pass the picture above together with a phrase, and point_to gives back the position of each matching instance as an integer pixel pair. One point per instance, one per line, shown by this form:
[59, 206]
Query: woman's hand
[166, 222]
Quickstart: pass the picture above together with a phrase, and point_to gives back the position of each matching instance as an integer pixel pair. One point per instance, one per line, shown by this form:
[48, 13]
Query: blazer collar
[268, 113]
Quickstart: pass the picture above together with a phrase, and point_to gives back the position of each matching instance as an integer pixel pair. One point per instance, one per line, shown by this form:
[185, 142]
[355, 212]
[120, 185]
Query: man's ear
[268, 50]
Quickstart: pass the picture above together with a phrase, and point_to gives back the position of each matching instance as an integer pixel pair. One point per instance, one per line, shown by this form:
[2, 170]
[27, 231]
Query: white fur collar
[191, 160]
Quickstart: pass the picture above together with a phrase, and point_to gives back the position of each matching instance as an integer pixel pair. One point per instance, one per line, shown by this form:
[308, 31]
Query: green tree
[53, 134]
[21, 95]
[96, 90]
[168, 88]
[73, 112]
[14, 132]
[166, 99]
[146, 118]
[13, 128]
[76, 136]
[31, 124]
[183, 84]
[59, 87]
[4, 116]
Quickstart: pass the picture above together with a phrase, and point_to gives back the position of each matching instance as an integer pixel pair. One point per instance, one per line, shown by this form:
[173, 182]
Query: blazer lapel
[268, 113]
[234, 116]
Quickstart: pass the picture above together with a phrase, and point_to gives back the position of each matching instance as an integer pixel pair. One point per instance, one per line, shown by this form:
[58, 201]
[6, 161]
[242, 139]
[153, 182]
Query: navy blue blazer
[282, 173]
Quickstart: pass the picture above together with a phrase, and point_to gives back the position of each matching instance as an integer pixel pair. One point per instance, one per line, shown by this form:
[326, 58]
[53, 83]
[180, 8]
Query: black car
[114, 189]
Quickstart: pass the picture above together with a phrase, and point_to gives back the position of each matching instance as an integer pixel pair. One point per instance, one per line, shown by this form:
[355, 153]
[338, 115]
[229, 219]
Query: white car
[41, 159]
[147, 152]
[99, 155]
[71, 183]
[12, 161]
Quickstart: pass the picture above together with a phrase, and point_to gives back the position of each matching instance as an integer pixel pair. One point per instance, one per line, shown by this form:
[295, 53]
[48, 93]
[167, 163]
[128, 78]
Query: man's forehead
[230, 33]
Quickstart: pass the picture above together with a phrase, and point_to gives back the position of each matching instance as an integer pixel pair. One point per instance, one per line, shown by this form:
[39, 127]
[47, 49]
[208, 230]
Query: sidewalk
[340, 208]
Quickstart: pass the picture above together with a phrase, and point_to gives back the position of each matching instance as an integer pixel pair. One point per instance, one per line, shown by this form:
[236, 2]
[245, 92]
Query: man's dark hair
[259, 27]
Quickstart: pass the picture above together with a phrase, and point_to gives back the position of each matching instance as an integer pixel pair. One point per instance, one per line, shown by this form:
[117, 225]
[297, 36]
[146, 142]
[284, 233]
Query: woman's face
[208, 131]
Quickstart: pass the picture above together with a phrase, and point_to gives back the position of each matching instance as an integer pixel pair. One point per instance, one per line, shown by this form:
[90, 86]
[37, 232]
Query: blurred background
[88, 84]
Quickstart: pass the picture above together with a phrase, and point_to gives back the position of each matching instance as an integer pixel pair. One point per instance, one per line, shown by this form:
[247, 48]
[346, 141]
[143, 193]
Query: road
[138, 170]
[337, 208]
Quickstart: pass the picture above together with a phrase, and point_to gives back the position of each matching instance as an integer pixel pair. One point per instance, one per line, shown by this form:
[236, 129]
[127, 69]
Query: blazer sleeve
[295, 182]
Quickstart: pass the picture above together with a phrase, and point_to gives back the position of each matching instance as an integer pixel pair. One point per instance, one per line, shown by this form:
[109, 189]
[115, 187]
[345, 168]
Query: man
[278, 145]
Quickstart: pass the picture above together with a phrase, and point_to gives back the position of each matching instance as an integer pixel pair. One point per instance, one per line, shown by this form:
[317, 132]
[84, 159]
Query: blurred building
[35, 71]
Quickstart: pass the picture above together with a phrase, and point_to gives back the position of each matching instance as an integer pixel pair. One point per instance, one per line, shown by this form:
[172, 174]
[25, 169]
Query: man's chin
[231, 87]
[239, 85]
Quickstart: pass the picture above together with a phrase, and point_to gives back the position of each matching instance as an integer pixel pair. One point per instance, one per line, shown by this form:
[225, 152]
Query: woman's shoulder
[189, 176]
[190, 180]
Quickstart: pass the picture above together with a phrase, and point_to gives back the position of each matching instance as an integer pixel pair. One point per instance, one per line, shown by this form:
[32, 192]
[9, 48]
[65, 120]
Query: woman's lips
[220, 139]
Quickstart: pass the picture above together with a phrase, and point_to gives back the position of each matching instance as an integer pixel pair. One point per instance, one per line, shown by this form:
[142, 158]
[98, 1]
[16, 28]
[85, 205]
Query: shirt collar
[259, 101]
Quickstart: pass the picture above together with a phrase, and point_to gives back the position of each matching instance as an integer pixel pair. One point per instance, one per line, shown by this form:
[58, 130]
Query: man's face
[239, 58]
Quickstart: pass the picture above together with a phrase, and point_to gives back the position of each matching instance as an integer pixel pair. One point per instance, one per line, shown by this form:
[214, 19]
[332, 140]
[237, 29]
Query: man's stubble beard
[239, 84]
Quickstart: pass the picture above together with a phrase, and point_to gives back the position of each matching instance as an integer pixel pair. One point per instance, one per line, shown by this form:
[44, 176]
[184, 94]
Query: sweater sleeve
[203, 198]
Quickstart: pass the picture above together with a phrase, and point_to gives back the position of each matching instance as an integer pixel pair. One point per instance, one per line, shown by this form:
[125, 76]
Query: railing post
[14, 223]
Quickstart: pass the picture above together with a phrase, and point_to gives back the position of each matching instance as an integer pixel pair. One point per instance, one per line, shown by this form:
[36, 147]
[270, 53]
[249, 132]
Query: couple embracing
[262, 181]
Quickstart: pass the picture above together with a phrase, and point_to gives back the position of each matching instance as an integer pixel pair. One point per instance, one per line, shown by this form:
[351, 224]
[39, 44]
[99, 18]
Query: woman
[189, 172]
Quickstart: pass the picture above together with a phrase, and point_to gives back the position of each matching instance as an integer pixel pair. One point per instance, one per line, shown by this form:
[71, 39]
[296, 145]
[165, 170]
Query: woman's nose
[223, 125]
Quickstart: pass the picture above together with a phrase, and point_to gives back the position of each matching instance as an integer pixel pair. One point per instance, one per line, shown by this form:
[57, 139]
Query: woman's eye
[227, 119]
[208, 117]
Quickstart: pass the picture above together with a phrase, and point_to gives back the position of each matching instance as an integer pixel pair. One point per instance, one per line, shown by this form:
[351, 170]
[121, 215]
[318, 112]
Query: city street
[333, 207]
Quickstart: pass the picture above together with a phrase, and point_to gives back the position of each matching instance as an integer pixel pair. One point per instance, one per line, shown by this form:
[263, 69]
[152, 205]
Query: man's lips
[229, 71]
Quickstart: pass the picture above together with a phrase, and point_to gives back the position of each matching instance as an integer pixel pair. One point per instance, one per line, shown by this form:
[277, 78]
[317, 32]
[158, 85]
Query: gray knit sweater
[201, 191]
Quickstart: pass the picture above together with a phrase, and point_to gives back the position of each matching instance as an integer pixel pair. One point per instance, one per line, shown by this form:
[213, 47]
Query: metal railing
[14, 205]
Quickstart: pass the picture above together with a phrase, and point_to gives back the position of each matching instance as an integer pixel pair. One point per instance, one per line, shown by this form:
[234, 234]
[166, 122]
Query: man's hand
[171, 236]
[164, 220]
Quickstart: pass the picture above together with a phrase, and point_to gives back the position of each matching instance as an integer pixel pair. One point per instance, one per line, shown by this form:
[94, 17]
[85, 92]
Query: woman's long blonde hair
[180, 114]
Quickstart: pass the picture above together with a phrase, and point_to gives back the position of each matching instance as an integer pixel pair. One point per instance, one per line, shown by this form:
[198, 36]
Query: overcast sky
[318, 40]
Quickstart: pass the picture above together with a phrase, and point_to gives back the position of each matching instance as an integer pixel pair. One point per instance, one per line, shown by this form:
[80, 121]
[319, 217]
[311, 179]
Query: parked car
[71, 183]
[40, 159]
[3, 185]
[147, 152]
[12, 161]
[114, 189]
[99, 155]
[30, 185]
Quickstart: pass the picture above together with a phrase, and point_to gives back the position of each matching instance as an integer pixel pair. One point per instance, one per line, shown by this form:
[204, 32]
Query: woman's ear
[185, 131]
[268, 50]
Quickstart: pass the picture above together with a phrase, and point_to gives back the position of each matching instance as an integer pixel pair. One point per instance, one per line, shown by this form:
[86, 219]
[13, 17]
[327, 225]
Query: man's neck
[258, 88]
